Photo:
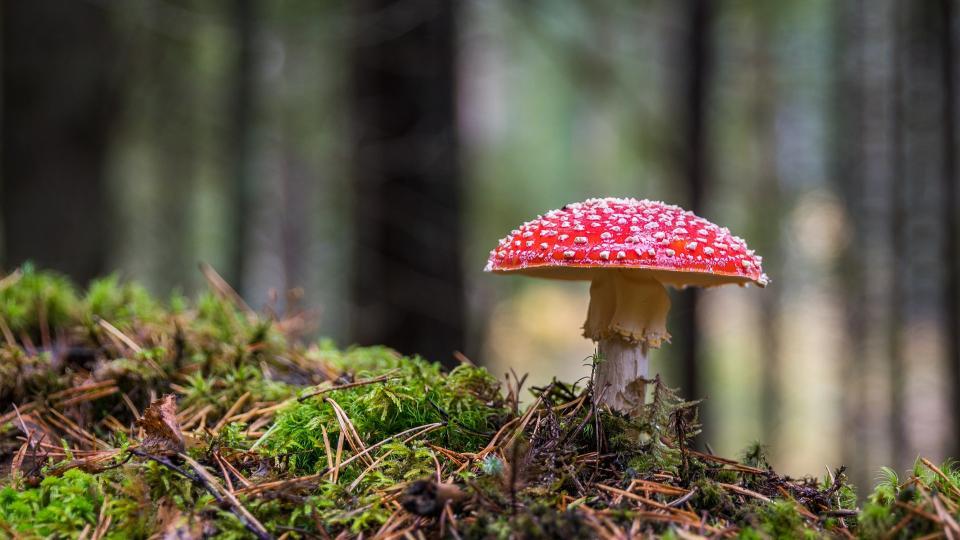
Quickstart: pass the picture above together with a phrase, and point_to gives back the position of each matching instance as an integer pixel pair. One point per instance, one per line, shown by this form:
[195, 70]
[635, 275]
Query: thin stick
[346, 425]
[129, 403]
[210, 482]
[649, 502]
[223, 470]
[7, 334]
[940, 473]
[10, 279]
[745, 491]
[231, 411]
[89, 397]
[115, 332]
[353, 485]
[80, 389]
[683, 499]
[382, 378]
[335, 473]
[326, 447]
[221, 287]
[226, 463]
[103, 521]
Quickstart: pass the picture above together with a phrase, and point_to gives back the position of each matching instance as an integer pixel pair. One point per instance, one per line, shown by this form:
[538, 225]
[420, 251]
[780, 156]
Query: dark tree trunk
[898, 224]
[849, 180]
[922, 164]
[174, 138]
[242, 97]
[407, 286]
[767, 209]
[694, 156]
[950, 209]
[59, 103]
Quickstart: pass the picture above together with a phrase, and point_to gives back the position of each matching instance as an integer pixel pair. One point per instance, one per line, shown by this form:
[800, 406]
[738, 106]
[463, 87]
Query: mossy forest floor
[127, 417]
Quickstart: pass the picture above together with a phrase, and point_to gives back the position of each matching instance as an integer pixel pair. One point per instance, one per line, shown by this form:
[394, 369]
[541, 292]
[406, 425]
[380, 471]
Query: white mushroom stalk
[627, 316]
[629, 250]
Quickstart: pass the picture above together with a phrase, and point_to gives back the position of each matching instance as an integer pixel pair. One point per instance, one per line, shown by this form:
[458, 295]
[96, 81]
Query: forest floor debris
[125, 417]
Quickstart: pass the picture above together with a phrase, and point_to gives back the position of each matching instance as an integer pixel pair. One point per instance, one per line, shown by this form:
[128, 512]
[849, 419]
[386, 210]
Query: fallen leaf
[162, 431]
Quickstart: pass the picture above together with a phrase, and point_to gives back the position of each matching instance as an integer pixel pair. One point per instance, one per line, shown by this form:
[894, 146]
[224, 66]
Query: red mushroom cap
[674, 244]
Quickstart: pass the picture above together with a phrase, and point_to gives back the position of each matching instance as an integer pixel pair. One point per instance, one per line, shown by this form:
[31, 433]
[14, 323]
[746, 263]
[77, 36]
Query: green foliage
[900, 504]
[221, 389]
[232, 436]
[62, 506]
[38, 299]
[491, 465]
[888, 487]
[875, 520]
[755, 455]
[711, 496]
[120, 303]
[652, 437]
[780, 519]
[220, 319]
[416, 393]
[541, 520]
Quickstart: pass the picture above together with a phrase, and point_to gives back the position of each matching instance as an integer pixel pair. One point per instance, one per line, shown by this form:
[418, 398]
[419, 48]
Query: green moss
[711, 496]
[222, 390]
[37, 298]
[652, 438]
[122, 304]
[58, 507]
[755, 455]
[780, 519]
[539, 521]
[62, 506]
[416, 393]
[875, 520]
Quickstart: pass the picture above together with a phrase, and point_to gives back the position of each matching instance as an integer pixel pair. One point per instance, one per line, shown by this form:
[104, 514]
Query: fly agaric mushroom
[628, 250]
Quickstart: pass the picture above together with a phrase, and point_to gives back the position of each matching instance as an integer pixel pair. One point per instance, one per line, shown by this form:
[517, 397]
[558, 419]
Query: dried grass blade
[231, 411]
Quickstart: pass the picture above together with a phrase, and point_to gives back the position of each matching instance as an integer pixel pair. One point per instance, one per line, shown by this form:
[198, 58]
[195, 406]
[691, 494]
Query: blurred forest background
[369, 153]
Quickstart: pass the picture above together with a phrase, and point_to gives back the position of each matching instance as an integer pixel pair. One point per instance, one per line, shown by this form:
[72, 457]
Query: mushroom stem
[627, 315]
[620, 376]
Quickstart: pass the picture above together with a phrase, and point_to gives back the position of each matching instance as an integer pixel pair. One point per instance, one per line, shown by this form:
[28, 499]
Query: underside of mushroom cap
[662, 241]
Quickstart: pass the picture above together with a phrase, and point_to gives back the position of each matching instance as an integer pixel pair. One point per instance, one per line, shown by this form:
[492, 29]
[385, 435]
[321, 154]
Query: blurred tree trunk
[175, 127]
[242, 96]
[900, 249]
[849, 179]
[60, 89]
[695, 166]
[408, 285]
[768, 209]
[922, 164]
[951, 207]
